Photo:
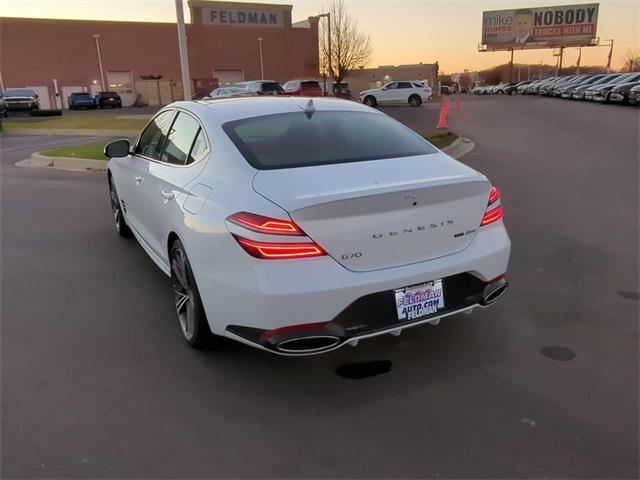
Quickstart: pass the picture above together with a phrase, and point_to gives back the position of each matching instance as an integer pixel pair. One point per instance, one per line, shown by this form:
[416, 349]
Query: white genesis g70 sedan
[298, 226]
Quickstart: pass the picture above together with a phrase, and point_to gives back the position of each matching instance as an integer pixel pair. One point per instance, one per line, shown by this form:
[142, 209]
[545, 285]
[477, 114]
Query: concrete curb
[459, 148]
[63, 163]
[72, 132]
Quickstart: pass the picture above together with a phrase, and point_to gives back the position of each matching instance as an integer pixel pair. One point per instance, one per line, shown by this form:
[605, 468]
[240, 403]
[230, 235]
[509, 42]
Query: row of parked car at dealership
[622, 88]
[411, 92]
[25, 99]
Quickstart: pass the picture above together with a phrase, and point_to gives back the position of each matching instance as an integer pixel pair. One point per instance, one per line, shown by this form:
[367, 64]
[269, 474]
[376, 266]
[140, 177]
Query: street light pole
[184, 55]
[97, 38]
[261, 61]
[328, 17]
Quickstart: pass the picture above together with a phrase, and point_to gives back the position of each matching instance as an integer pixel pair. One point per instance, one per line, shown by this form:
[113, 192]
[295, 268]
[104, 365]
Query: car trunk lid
[383, 213]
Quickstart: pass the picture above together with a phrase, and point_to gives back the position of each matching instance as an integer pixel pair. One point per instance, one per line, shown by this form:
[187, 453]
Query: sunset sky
[402, 31]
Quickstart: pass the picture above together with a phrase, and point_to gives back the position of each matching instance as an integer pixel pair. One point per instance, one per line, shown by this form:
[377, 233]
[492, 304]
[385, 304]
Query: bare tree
[632, 60]
[350, 47]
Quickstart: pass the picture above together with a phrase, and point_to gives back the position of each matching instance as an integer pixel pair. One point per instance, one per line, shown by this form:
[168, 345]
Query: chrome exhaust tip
[311, 344]
[493, 291]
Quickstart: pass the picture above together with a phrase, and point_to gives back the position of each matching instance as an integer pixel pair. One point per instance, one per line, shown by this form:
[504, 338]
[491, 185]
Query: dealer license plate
[419, 300]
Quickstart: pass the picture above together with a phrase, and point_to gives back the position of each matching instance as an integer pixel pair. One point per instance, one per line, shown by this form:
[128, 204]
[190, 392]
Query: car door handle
[138, 180]
[167, 195]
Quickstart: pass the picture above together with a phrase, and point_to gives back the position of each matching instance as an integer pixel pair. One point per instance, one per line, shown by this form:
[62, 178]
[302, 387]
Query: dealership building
[227, 43]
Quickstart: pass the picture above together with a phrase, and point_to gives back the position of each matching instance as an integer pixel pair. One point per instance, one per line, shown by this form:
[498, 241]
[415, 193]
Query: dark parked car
[305, 88]
[81, 100]
[620, 93]
[342, 90]
[634, 96]
[578, 92]
[20, 99]
[512, 88]
[108, 99]
[600, 93]
[262, 87]
[567, 92]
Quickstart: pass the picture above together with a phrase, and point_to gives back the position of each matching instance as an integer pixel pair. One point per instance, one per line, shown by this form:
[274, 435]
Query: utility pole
[511, 67]
[97, 38]
[610, 54]
[261, 60]
[184, 55]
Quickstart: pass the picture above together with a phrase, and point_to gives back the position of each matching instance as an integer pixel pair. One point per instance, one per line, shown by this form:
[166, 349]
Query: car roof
[237, 108]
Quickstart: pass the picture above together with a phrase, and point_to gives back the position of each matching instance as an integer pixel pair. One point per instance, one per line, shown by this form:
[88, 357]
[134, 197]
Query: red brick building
[225, 41]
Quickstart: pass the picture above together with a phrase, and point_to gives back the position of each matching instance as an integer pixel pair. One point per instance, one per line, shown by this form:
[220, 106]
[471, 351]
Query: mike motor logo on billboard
[540, 27]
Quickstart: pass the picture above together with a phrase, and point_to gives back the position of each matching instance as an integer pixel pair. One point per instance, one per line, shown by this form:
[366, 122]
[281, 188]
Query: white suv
[412, 92]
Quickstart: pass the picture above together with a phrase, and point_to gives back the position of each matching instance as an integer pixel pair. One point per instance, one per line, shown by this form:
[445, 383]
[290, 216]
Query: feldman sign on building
[241, 17]
[568, 25]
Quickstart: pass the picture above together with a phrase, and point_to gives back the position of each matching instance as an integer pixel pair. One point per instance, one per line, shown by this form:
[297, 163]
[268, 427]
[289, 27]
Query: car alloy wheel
[120, 223]
[415, 100]
[370, 101]
[191, 316]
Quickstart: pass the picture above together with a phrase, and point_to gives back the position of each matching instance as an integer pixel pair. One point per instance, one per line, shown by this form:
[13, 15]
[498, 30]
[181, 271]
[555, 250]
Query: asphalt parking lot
[96, 381]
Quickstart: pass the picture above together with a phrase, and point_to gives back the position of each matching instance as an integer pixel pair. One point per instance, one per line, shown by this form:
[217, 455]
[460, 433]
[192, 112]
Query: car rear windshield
[18, 92]
[299, 139]
[80, 94]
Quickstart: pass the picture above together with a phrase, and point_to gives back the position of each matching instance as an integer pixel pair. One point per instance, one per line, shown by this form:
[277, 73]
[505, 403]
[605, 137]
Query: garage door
[122, 82]
[43, 97]
[66, 91]
[228, 78]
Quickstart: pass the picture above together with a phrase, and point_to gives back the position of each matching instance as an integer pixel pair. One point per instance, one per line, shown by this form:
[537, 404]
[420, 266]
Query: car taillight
[260, 224]
[279, 251]
[273, 226]
[493, 212]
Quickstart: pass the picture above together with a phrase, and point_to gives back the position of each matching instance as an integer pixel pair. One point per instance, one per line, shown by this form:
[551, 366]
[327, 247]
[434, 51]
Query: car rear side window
[152, 138]
[199, 148]
[180, 139]
[271, 87]
[296, 139]
[404, 85]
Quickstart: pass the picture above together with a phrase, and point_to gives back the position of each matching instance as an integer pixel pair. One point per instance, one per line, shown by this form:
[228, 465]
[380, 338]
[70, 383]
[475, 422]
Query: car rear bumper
[369, 316]
[241, 294]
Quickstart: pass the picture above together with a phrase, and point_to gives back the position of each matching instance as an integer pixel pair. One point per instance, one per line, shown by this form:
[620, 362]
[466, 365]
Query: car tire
[116, 208]
[370, 101]
[415, 100]
[191, 317]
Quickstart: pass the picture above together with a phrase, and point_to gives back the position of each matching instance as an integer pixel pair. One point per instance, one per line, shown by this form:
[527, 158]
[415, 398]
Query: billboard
[545, 27]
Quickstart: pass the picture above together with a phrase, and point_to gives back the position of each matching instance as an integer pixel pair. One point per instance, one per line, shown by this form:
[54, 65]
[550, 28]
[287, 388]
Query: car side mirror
[36, 95]
[117, 148]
